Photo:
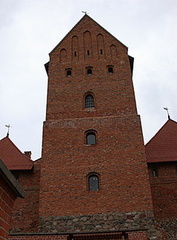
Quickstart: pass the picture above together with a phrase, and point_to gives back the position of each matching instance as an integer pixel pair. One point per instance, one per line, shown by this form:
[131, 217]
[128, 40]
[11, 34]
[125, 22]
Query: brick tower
[93, 172]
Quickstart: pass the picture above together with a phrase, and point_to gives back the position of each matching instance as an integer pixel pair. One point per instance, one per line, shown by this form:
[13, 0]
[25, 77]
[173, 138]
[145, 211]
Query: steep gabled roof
[86, 17]
[12, 157]
[163, 146]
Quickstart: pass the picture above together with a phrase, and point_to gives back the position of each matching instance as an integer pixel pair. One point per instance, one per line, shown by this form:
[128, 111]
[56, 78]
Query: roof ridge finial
[85, 12]
[167, 112]
[8, 126]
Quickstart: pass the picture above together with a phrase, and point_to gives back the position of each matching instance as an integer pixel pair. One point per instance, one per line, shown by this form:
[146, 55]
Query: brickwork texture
[7, 198]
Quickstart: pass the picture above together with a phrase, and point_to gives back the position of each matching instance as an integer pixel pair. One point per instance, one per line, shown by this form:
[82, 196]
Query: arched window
[89, 101]
[93, 181]
[90, 138]
[89, 70]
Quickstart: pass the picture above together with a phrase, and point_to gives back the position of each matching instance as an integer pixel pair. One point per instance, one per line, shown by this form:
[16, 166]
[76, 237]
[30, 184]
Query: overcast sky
[30, 29]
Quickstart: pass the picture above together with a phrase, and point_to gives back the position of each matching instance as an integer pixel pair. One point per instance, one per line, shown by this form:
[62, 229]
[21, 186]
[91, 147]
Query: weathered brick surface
[121, 187]
[164, 195]
[26, 211]
[142, 235]
[7, 198]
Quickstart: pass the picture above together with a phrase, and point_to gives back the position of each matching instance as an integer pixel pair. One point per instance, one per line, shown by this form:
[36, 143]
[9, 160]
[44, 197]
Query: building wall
[7, 198]
[118, 156]
[25, 213]
[164, 196]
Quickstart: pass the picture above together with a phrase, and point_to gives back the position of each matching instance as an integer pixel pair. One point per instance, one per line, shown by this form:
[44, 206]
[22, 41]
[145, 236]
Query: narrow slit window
[154, 172]
[89, 101]
[75, 53]
[68, 72]
[89, 71]
[110, 70]
[88, 52]
[101, 51]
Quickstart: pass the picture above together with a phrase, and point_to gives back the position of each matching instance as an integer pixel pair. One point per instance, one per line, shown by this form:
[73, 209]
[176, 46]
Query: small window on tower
[89, 70]
[101, 51]
[110, 69]
[91, 137]
[93, 181]
[68, 72]
[89, 101]
[88, 52]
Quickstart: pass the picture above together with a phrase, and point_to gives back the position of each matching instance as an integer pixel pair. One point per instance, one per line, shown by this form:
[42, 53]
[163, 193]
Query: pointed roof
[163, 146]
[12, 157]
[91, 20]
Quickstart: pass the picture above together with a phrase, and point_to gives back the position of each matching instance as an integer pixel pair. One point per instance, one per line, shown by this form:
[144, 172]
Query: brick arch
[75, 47]
[87, 44]
[100, 46]
[63, 55]
[113, 49]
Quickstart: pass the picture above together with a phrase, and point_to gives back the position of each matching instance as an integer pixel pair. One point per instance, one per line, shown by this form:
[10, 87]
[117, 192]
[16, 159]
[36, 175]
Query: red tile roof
[163, 146]
[12, 157]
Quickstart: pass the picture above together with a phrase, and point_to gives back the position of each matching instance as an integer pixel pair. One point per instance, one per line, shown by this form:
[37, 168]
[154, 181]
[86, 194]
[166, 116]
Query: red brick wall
[164, 196]
[164, 190]
[7, 198]
[39, 237]
[69, 160]
[142, 235]
[26, 211]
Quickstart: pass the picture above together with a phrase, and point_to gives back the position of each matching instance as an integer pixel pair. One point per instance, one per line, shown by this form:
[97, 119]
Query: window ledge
[90, 109]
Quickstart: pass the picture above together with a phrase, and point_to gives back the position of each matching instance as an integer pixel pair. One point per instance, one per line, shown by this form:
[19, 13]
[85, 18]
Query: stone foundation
[99, 223]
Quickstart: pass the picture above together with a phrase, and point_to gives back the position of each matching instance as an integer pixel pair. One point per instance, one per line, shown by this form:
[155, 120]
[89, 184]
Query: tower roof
[12, 157]
[163, 146]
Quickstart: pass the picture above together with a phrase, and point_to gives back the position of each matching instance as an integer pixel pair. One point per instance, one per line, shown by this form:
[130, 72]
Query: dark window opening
[68, 72]
[88, 52]
[110, 70]
[101, 51]
[89, 101]
[75, 53]
[93, 183]
[91, 138]
[89, 71]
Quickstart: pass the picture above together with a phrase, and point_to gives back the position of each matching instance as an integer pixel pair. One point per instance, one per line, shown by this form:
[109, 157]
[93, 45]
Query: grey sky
[30, 29]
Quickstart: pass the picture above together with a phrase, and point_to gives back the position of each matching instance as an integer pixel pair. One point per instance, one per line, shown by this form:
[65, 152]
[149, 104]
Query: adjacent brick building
[92, 181]
[9, 191]
[161, 152]
[27, 173]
